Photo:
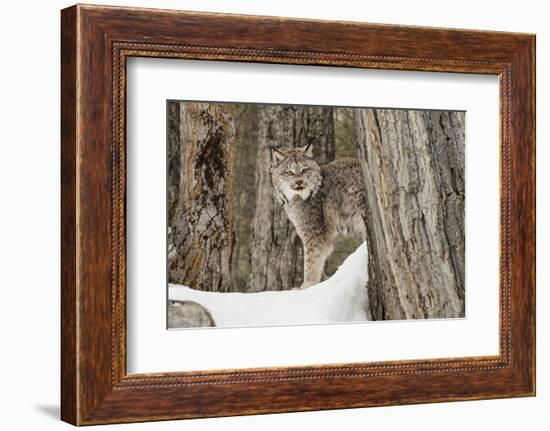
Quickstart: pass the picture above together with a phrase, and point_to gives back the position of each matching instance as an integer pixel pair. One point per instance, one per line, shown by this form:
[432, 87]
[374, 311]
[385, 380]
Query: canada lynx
[320, 201]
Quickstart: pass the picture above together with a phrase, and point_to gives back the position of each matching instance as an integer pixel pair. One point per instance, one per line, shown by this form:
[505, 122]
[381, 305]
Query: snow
[341, 298]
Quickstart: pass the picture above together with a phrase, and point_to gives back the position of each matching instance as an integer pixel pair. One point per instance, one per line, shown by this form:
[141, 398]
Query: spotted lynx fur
[320, 201]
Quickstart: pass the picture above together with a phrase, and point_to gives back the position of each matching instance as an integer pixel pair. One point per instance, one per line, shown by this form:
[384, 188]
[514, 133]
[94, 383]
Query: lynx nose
[299, 182]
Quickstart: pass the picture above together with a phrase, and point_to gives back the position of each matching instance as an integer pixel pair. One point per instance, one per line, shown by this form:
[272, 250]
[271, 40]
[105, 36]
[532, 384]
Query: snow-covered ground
[341, 298]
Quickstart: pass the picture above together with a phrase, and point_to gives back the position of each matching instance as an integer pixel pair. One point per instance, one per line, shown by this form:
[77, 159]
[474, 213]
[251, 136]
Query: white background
[151, 348]
[29, 224]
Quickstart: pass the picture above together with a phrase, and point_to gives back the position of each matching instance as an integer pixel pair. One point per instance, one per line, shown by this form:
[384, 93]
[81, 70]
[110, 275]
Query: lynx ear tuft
[277, 155]
[308, 150]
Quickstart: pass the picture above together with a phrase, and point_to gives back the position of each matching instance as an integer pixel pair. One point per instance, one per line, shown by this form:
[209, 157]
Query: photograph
[300, 214]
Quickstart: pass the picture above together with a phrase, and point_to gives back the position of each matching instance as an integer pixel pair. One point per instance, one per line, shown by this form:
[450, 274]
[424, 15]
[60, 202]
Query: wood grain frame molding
[96, 41]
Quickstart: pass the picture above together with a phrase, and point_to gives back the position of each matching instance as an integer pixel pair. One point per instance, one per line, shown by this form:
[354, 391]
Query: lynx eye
[305, 171]
[289, 173]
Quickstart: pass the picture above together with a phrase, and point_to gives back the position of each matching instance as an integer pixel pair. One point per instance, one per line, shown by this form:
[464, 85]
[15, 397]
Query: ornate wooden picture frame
[96, 41]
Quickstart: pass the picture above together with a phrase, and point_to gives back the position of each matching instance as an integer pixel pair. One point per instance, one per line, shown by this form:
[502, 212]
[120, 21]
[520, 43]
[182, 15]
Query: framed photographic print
[265, 214]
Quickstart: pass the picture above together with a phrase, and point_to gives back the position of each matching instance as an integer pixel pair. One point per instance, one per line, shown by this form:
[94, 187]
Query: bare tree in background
[202, 234]
[413, 166]
[276, 256]
[246, 124]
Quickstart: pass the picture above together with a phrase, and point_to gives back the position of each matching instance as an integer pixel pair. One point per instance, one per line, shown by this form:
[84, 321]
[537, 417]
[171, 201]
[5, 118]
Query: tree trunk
[202, 233]
[414, 175]
[276, 255]
[246, 123]
[174, 157]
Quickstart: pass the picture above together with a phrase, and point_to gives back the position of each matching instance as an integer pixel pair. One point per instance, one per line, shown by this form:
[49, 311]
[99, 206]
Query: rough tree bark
[276, 259]
[174, 156]
[414, 176]
[202, 233]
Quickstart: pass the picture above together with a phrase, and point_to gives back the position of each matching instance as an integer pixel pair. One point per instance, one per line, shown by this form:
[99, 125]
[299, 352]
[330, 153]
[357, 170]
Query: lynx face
[296, 173]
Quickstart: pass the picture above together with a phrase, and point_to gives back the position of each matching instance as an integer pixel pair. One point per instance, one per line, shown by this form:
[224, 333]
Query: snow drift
[341, 298]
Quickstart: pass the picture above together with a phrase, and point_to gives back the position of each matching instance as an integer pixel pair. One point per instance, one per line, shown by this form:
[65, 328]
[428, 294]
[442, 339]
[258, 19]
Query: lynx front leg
[315, 255]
